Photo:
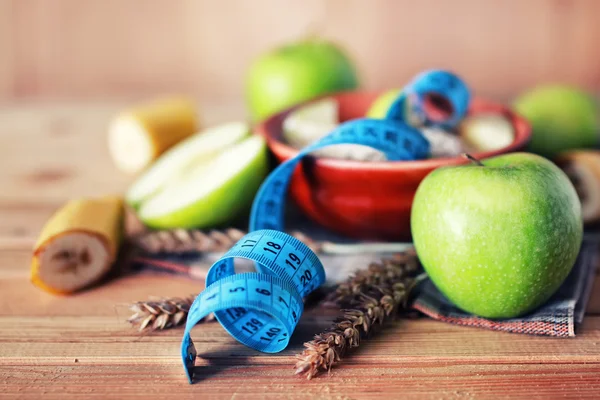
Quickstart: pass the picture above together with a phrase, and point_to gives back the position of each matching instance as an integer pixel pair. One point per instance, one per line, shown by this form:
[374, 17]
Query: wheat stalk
[195, 240]
[182, 240]
[386, 272]
[370, 298]
[162, 313]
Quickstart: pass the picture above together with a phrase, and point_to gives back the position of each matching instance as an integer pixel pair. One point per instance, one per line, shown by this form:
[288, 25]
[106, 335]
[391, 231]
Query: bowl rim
[272, 128]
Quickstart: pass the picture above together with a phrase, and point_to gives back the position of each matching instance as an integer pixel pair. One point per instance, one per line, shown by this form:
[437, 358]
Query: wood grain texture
[80, 346]
[74, 49]
[55, 345]
[50, 152]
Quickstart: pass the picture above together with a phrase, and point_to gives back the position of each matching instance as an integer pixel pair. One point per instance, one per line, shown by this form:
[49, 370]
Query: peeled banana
[137, 136]
[583, 169]
[78, 245]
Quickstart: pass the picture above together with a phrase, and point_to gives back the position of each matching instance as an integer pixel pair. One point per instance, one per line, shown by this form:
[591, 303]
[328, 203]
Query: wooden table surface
[80, 346]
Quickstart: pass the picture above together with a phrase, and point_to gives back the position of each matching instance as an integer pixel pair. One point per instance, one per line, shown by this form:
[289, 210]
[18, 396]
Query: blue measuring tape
[261, 309]
[411, 101]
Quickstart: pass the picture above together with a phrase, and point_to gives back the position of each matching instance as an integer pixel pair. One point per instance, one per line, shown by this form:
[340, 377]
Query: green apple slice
[186, 155]
[215, 194]
[315, 120]
[310, 122]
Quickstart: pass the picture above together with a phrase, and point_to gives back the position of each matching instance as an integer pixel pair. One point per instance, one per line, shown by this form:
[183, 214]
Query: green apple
[499, 237]
[189, 154]
[382, 103]
[212, 194]
[296, 72]
[562, 118]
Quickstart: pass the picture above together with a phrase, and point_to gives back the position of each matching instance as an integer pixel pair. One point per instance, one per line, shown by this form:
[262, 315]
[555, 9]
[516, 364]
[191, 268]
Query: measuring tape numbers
[261, 309]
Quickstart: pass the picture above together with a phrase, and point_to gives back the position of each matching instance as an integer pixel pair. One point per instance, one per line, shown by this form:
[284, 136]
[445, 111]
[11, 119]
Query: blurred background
[80, 49]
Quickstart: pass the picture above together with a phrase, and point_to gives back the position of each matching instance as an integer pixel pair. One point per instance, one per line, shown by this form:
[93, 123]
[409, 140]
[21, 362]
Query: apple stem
[472, 159]
[335, 248]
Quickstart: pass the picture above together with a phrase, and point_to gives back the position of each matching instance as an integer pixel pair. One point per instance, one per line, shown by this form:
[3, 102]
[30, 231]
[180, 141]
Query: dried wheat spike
[370, 298]
[183, 241]
[161, 313]
[387, 272]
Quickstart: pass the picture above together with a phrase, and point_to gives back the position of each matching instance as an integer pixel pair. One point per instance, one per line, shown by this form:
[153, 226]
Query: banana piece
[442, 143]
[137, 136]
[78, 245]
[583, 169]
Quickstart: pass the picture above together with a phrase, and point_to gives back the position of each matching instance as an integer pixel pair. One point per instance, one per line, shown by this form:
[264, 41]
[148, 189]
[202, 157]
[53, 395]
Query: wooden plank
[53, 152]
[21, 223]
[80, 355]
[110, 338]
[419, 379]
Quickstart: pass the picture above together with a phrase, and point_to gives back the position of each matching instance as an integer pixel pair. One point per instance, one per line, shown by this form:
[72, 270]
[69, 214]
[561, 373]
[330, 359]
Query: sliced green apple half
[187, 156]
[213, 194]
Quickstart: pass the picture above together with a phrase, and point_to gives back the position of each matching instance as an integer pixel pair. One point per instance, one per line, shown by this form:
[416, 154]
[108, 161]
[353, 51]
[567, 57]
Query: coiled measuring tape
[261, 309]
[410, 102]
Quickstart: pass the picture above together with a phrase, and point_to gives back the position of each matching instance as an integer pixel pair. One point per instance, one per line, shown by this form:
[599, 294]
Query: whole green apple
[297, 72]
[497, 237]
[562, 118]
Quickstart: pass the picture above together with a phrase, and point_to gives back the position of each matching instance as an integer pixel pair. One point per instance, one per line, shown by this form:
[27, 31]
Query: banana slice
[138, 136]
[78, 245]
[583, 169]
[486, 132]
[442, 143]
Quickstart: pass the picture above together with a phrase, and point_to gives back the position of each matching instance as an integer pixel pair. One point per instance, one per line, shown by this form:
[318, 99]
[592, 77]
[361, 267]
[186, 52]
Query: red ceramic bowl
[368, 200]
